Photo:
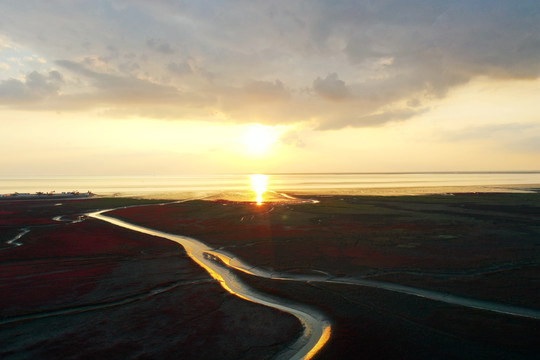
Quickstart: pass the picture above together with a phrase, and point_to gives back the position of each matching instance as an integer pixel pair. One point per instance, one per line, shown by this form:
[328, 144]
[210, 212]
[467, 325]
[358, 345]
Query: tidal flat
[90, 290]
[483, 246]
[142, 297]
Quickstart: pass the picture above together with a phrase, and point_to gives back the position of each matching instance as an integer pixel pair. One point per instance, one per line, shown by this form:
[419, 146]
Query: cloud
[122, 89]
[515, 137]
[414, 102]
[265, 102]
[180, 68]
[492, 131]
[393, 57]
[34, 88]
[266, 91]
[34, 58]
[528, 144]
[5, 44]
[445, 44]
[160, 45]
[292, 138]
[331, 87]
[370, 119]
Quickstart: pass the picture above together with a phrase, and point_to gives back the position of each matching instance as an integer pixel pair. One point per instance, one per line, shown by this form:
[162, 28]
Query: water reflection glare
[258, 185]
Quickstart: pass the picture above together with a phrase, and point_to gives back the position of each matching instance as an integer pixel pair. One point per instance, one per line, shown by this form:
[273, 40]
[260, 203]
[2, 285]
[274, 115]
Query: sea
[182, 185]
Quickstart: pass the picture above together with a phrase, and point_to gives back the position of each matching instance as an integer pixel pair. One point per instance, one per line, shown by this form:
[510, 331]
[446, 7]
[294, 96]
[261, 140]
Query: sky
[213, 86]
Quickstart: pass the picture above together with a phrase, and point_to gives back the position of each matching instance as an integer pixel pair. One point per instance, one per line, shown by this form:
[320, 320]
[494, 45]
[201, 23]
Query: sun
[258, 185]
[260, 139]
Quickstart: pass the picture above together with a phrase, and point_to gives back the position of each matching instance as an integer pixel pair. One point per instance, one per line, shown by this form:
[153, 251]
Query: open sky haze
[173, 87]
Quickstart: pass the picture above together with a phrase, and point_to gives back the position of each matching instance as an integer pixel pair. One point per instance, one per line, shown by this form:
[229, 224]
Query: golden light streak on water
[218, 277]
[258, 185]
[322, 340]
[197, 252]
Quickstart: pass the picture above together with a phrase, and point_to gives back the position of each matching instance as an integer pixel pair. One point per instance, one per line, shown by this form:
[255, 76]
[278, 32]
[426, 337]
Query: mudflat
[79, 288]
[480, 246]
[89, 289]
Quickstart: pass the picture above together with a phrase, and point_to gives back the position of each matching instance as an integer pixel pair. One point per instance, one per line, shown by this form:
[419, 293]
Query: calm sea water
[142, 185]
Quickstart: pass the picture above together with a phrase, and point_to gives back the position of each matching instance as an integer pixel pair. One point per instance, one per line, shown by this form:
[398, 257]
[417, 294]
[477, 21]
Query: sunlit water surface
[260, 188]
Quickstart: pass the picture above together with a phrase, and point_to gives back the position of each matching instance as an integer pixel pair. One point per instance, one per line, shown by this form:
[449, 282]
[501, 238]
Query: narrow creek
[317, 326]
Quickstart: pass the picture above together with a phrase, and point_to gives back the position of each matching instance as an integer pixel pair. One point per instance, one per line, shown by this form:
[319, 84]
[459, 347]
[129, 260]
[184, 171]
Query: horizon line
[283, 173]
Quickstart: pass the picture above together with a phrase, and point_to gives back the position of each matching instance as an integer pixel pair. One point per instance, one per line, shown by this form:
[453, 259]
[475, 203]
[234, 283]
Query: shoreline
[279, 195]
[275, 195]
[428, 259]
[424, 190]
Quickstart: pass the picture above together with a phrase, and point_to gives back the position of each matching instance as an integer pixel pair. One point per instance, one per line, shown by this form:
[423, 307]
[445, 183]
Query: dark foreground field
[480, 246]
[90, 290]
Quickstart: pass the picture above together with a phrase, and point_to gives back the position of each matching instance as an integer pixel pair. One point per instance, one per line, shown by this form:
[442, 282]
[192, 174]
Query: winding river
[317, 326]
[241, 265]
[14, 241]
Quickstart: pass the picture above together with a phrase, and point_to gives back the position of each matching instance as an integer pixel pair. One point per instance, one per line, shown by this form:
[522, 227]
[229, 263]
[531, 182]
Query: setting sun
[259, 139]
[258, 185]
[401, 146]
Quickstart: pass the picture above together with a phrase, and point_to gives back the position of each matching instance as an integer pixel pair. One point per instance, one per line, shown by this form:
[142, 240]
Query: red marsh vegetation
[120, 294]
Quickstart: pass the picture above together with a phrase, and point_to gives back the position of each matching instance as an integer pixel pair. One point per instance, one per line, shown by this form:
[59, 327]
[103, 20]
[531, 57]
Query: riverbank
[478, 246]
[46, 196]
[426, 190]
[334, 250]
[93, 290]
[186, 186]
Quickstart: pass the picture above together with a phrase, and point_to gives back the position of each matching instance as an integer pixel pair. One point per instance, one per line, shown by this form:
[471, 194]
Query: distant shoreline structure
[46, 195]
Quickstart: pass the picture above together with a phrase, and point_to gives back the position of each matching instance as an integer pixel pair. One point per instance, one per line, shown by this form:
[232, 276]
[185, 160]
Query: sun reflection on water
[258, 185]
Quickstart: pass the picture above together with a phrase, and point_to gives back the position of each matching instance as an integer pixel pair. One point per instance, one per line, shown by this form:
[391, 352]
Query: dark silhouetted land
[150, 300]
